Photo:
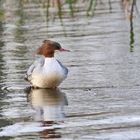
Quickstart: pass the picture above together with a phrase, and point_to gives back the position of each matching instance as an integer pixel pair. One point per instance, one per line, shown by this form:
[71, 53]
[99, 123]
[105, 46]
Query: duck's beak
[63, 50]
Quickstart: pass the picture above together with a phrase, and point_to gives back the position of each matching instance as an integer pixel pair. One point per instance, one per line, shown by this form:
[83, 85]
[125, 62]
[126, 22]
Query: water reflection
[49, 107]
[132, 41]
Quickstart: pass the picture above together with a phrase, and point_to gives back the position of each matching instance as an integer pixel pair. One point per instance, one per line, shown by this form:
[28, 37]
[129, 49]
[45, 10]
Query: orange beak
[64, 50]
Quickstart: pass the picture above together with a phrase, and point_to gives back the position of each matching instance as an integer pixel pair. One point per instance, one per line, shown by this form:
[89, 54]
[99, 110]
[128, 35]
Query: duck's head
[49, 47]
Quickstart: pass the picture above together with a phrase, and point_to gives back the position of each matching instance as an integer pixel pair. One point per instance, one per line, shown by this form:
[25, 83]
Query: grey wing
[37, 63]
[65, 69]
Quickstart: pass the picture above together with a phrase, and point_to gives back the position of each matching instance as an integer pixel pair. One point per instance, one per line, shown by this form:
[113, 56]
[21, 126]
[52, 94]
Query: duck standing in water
[47, 72]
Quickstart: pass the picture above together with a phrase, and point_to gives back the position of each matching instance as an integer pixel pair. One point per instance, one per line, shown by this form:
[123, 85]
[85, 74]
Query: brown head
[48, 48]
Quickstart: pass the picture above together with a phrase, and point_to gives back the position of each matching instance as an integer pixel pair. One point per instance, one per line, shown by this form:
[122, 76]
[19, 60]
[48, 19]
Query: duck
[47, 71]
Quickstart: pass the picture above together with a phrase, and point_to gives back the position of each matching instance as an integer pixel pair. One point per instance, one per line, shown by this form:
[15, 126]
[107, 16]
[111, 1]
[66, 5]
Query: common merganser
[47, 72]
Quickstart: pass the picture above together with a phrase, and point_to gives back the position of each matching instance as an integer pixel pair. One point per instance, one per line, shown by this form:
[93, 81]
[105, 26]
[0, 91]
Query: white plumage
[46, 73]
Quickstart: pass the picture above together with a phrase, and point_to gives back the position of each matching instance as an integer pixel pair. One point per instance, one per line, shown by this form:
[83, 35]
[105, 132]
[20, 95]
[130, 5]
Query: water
[99, 100]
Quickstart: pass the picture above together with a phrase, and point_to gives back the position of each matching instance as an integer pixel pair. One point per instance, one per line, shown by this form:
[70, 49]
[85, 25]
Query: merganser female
[47, 72]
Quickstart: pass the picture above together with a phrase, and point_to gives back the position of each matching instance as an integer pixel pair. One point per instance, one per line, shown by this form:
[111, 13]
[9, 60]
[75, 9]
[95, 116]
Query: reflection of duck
[48, 104]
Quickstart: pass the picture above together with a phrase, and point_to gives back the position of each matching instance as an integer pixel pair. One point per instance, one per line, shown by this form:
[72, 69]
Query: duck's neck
[49, 58]
[49, 55]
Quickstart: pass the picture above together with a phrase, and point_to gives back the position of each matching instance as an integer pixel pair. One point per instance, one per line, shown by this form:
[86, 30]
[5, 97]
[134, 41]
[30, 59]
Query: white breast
[50, 75]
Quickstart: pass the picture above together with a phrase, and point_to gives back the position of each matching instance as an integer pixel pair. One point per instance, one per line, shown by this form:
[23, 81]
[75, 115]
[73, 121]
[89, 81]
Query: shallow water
[100, 98]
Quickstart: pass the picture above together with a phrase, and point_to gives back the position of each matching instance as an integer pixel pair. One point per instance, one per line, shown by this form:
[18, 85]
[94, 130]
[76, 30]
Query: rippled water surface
[100, 99]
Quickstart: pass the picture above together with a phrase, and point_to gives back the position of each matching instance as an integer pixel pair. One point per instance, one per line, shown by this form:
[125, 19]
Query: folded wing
[37, 63]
